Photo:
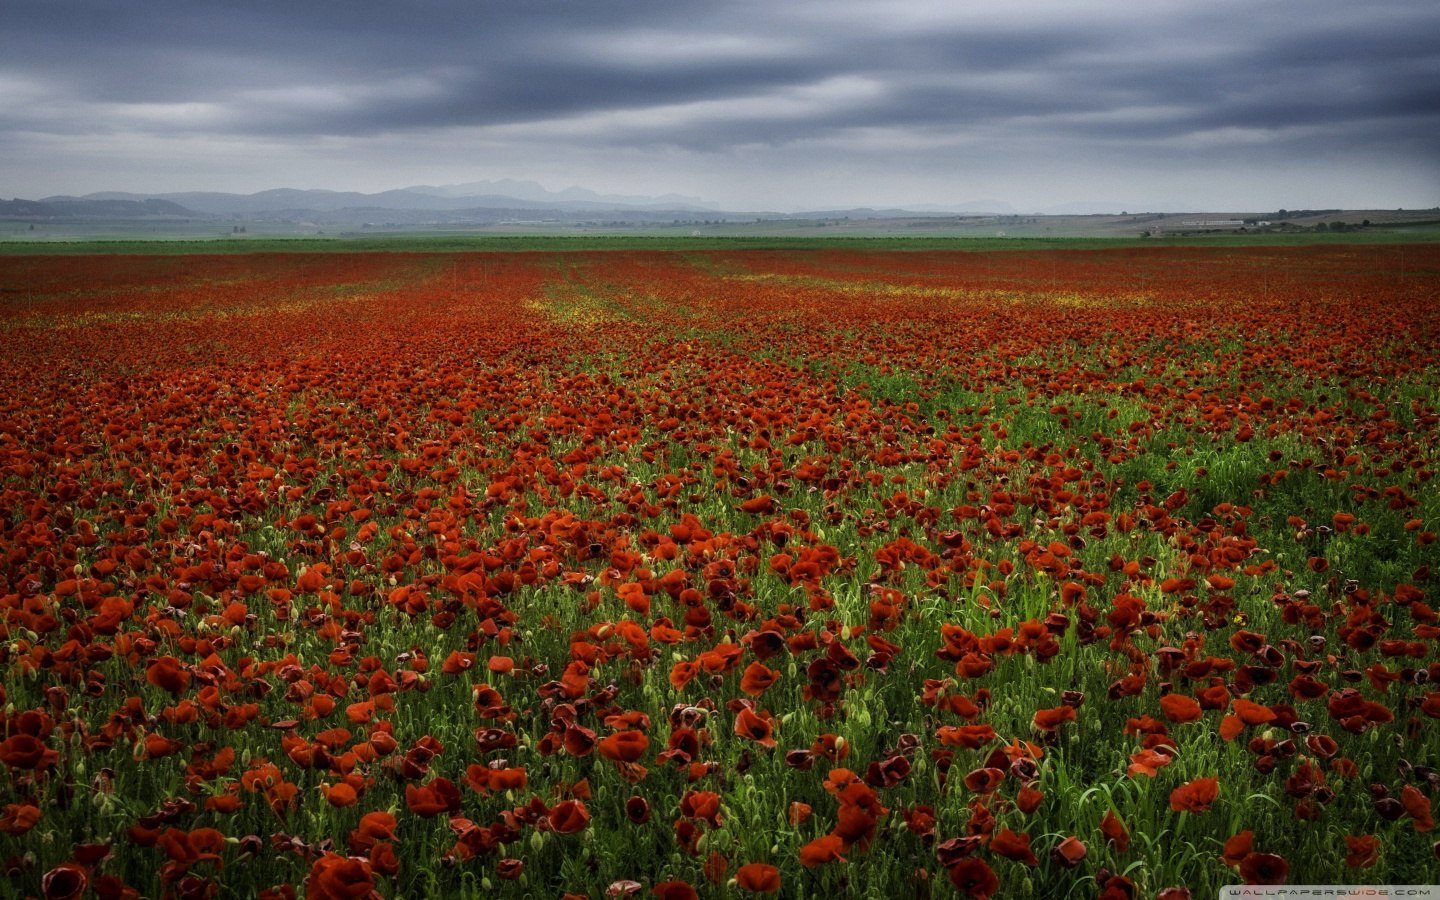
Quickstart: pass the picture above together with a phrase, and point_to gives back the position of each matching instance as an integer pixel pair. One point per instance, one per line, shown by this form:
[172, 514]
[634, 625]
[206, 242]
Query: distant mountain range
[473, 203]
[95, 208]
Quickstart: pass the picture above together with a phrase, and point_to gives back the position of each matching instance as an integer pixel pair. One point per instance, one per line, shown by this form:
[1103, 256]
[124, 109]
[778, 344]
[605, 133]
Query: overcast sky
[1210, 104]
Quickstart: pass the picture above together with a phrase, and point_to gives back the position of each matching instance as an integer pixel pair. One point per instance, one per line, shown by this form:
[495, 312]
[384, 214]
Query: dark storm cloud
[1082, 80]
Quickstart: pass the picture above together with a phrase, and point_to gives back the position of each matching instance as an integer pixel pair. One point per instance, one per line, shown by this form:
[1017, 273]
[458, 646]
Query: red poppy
[458, 661]
[439, 796]
[761, 878]
[340, 794]
[1238, 847]
[1028, 799]
[1013, 845]
[1252, 713]
[973, 878]
[637, 810]
[985, 780]
[335, 877]
[749, 724]
[674, 890]
[1264, 868]
[1148, 762]
[1180, 708]
[703, 805]
[1051, 719]
[1115, 831]
[18, 818]
[1418, 806]
[1195, 796]
[624, 746]
[970, 736]
[373, 827]
[756, 679]
[1068, 853]
[1362, 851]
[383, 859]
[579, 740]
[822, 850]
[762, 505]
[66, 881]
[716, 866]
[24, 751]
[568, 817]
[168, 674]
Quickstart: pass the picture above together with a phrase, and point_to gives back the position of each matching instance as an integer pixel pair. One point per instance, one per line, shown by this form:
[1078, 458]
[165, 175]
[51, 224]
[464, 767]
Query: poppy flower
[568, 817]
[757, 678]
[340, 794]
[822, 850]
[1013, 845]
[383, 859]
[579, 740]
[1180, 708]
[984, 780]
[168, 674]
[158, 746]
[1231, 727]
[920, 820]
[24, 751]
[373, 827]
[1264, 868]
[1195, 796]
[1362, 851]
[760, 878]
[797, 814]
[1028, 799]
[704, 805]
[18, 818]
[973, 878]
[762, 505]
[1068, 853]
[716, 866]
[1115, 831]
[749, 724]
[637, 810]
[1051, 719]
[457, 662]
[335, 877]
[1238, 847]
[66, 881]
[1418, 806]
[674, 890]
[1252, 713]
[439, 796]
[624, 746]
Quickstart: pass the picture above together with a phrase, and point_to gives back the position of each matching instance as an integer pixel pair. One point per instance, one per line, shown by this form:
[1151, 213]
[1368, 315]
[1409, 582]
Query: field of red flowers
[811, 573]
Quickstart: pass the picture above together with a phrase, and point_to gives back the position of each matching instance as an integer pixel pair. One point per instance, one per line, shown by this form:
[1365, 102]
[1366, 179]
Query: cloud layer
[759, 105]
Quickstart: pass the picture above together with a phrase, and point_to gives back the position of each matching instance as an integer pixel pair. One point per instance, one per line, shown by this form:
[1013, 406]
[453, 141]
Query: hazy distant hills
[511, 195]
[472, 203]
[123, 209]
[530, 191]
[525, 204]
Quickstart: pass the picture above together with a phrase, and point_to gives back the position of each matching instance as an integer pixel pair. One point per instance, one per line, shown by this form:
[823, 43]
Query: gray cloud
[677, 96]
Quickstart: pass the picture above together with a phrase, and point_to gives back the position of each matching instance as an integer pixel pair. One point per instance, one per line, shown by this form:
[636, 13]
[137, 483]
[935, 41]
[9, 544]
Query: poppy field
[828, 572]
